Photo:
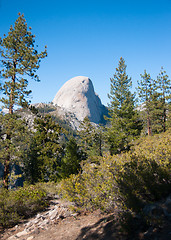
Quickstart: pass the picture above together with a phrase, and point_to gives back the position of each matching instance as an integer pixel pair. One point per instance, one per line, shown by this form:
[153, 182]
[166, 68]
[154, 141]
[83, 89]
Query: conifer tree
[46, 150]
[164, 87]
[85, 134]
[124, 120]
[90, 138]
[72, 158]
[146, 91]
[19, 60]
[14, 138]
[155, 95]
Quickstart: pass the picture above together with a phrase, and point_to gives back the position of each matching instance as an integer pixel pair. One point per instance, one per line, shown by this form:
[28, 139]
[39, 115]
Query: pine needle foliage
[19, 59]
[14, 138]
[155, 94]
[44, 156]
[124, 120]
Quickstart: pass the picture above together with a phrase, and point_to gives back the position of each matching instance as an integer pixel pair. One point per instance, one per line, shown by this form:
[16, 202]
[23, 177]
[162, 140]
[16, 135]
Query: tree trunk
[7, 161]
[149, 126]
[12, 90]
[6, 174]
[164, 120]
[164, 111]
[7, 166]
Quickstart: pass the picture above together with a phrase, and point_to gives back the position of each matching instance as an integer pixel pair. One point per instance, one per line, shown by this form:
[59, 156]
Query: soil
[90, 226]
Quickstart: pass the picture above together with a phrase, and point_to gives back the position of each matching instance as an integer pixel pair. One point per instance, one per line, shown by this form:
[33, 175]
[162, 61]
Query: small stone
[53, 214]
[30, 238]
[38, 216]
[12, 238]
[20, 234]
[36, 221]
[45, 222]
[29, 224]
[30, 229]
[46, 213]
[36, 231]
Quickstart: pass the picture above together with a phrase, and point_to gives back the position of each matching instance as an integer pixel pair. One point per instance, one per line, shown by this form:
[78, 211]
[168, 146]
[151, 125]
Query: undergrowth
[124, 183]
[21, 203]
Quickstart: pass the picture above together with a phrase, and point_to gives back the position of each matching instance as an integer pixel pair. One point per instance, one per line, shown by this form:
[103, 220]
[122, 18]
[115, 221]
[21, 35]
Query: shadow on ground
[104, 229]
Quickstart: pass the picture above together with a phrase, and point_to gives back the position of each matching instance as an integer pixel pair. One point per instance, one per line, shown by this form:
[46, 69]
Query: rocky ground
[60, 223]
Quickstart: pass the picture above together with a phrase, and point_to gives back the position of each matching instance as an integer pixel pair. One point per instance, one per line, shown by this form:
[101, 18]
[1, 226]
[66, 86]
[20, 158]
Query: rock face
[77, 96]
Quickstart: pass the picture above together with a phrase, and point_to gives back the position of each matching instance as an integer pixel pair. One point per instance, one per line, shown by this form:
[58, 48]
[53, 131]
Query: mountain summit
[77, 96]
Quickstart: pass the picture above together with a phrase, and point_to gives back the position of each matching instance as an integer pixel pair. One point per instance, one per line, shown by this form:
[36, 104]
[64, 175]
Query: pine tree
[72, 158]
[154, 94]
[20, 60]
[146, 91]
[85, 134]
[124, 120]
[91, 138]
[46, 150]
[164, 87]
[14, 138]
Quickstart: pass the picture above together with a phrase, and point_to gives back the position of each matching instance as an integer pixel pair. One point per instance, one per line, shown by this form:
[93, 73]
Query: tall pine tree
[146, 94]
[19, 60]
[164, 88]
[124, 120]
[155, 95]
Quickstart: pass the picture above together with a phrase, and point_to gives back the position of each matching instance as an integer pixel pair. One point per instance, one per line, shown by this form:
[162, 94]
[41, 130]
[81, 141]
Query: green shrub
[126, 181]
[21, 203]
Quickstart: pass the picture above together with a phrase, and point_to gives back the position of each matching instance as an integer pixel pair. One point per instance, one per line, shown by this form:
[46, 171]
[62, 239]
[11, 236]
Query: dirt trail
[59, 223]
[84, 226]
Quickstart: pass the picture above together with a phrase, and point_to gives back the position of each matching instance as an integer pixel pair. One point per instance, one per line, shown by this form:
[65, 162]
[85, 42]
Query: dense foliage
[125, 124]
[21, 203]
[14, 138]
[125, 181]
[155, 95]
[19, 59]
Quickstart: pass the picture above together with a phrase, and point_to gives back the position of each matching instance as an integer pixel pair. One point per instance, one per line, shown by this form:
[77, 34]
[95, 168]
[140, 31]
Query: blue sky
[87, 38]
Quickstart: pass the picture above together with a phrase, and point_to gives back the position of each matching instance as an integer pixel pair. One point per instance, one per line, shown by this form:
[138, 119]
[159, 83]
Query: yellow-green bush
[157, 147]
[20, 203]
[125, 181]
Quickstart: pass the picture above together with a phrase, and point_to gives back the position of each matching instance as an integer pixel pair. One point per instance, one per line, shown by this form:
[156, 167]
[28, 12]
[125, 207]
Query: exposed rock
[57, 210]
[77, 96]
[159, 209]
[12, 238]
[73, 102]
[30, 238]
[20, 234]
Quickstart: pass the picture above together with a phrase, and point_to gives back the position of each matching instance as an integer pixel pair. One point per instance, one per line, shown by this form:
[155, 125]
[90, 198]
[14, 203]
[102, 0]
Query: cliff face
[77, 96]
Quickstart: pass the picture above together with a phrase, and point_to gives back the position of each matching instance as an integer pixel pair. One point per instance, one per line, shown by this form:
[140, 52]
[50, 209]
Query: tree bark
[7, 167]
[12, 89]
[149, 126]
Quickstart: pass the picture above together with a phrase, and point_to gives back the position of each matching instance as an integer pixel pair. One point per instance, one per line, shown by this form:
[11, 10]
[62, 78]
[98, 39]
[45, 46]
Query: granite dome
[77, 96]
